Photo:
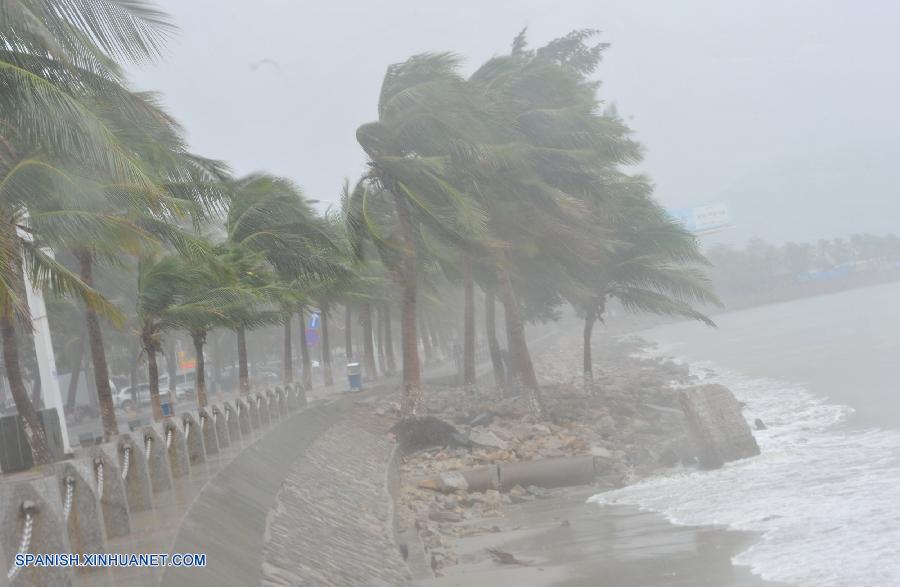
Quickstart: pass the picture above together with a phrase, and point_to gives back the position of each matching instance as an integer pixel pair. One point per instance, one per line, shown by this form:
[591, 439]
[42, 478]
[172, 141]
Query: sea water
[824, 495]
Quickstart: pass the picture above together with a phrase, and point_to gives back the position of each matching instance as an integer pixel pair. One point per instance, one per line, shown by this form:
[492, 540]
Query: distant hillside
[831, 194]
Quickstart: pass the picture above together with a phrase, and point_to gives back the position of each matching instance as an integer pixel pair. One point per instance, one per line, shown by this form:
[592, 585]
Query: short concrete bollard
[176, 449]
[135, 476]
[157, 460]
[233, 420]
[262, 405]
[253, 409]
[111, 491]
[208, 428]
[193, 438]
[301, 396]
[81, 508]
[291, 397]
[272, 405]
[221, 425]
[281, 401]
[31, 522]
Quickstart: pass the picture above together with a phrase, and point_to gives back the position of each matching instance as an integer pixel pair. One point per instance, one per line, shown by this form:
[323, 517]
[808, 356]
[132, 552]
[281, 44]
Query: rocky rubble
[630, 420]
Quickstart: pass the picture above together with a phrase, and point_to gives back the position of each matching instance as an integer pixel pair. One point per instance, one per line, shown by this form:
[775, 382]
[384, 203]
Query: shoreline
[564, 539]
[569, 542]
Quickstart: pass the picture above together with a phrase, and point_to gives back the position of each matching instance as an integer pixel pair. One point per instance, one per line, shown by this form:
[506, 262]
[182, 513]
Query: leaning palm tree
[425, 118]
[656, 267]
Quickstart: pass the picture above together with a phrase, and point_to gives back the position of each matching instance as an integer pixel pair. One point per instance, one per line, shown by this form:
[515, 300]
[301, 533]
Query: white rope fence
[28, 510]
[70, 493]
[98, 470]
[126, 462]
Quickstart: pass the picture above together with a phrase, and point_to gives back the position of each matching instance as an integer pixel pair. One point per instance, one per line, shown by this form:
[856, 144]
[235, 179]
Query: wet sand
[568, 542]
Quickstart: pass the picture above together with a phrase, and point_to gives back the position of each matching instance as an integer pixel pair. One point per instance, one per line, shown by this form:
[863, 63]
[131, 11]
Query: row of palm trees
[514, 179]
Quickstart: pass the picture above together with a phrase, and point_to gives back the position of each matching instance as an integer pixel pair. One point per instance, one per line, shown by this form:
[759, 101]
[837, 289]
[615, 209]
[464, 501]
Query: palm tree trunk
[468, 325]
[326, 347]
[348, 332]
[288, 351]
[518, 346]
[304, 353]
[379, 329]
[34, 433]
[75, 376]
[368, 343]
[153, 380]
[590, 317]
[98, 353]
[243, 374]
[199, 338]
[412, 404]
[493, 344]
[389, 340]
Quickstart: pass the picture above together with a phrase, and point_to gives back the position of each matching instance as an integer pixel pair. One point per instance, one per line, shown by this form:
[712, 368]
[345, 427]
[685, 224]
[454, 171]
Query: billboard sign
[703, 219]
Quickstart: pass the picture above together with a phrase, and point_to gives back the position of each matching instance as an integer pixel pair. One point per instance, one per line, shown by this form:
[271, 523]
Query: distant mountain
[853, 189]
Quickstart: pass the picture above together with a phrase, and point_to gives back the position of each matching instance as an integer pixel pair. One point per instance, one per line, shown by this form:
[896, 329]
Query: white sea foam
[825, 497]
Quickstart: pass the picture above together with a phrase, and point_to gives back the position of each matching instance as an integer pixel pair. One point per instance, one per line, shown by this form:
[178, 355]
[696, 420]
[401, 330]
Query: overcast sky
[721, 93]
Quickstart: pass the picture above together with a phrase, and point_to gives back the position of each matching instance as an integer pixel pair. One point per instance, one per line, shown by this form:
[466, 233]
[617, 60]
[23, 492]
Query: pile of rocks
[631, 421]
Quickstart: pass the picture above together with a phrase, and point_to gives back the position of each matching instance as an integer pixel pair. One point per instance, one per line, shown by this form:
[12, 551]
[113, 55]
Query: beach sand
[568, 542]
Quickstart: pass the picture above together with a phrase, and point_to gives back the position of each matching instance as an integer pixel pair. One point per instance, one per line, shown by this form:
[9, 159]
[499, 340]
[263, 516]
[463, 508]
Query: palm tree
[655, 268]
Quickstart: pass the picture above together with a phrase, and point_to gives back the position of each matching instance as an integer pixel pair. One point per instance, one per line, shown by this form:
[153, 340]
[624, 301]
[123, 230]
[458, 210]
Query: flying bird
[255, 66]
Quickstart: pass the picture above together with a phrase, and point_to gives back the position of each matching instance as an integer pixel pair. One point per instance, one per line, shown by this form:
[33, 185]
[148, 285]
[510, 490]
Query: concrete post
[262, 404]
[111, 491]
[291, 397]
[31, 519]
[272, 404]
[281, 401]
[208, 428]
[135, 477]
[84, 523]
[244, 418]
[221, 426]
[176, 449]
[253, 408]
[193, 438]
[233, 420]
[157, 460]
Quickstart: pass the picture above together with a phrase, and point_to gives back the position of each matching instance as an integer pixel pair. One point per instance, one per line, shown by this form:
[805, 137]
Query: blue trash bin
[354, 376]
[166, 408]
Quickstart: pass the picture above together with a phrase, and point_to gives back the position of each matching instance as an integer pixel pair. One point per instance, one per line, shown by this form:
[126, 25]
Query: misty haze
[533, 293]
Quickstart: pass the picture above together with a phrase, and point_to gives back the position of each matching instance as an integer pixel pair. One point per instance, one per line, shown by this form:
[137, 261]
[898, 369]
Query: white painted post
[43, 347]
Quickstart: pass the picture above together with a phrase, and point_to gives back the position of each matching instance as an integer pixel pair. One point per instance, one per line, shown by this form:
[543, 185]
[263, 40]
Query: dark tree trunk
[490, 321]
[348, 332]
[75, 376]
[199, 339]
[217, 365]
[288, 351]
[590, 318]
[34, 433]
[243, 374]
[153, 380]
[98, 352]
[379, 328]
[468, 325]
[327, 374]
[304, 353]
[368, 343]
[412, 403]
[389, 340]
[171, 368]
[518, 346]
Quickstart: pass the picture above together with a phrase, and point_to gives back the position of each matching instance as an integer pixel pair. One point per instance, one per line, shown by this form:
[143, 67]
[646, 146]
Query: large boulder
[716, 425]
